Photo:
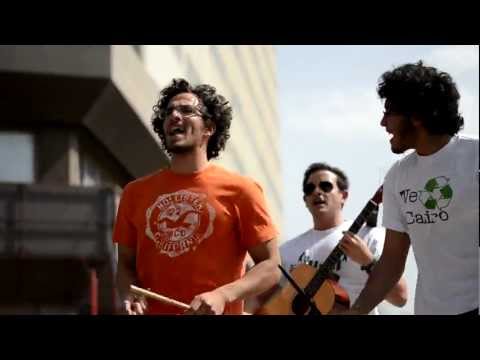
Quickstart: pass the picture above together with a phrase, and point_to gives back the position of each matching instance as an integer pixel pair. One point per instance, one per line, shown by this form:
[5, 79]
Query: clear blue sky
[330, 112]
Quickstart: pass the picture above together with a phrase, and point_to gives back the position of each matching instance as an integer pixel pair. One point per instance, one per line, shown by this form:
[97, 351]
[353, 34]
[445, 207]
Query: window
[16, 157]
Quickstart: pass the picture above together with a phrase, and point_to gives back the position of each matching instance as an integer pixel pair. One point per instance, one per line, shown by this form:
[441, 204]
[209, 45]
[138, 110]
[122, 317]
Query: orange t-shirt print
[191, 232]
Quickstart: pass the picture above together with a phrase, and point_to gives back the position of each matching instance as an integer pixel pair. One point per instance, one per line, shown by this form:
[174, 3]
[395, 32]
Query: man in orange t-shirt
[184, 232]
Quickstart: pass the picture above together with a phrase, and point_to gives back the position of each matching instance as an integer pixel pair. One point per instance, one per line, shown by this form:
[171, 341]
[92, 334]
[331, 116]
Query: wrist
[368, 268]
[226, 293]
[367, 260]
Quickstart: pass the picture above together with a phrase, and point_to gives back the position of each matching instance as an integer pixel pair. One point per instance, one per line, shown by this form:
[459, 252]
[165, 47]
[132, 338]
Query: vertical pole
[93, 292]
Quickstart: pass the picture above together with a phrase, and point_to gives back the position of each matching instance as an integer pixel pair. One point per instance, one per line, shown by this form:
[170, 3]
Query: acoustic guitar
[310, 290]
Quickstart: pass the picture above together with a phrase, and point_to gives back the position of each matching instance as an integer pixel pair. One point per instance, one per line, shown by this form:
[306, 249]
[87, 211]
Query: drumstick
[150, 294]
[164, 299]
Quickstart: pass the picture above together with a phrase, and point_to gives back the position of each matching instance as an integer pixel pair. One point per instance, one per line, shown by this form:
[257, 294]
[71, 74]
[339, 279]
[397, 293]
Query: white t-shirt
[316, 245]
[435, 200]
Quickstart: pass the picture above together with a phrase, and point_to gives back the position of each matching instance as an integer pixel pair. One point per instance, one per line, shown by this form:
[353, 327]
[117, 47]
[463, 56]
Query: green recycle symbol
[437, 194]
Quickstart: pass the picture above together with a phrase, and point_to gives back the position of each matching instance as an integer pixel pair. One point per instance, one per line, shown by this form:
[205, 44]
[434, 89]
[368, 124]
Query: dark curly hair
[215, 108]
[431, 95]
[342, 179]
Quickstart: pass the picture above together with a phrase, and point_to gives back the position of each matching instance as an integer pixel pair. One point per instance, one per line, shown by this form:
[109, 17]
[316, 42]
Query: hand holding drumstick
[196, 309]
[150, 294]
[135, 303]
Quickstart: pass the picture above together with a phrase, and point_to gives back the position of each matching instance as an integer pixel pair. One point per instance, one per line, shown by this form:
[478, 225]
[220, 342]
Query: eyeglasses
[184, 110]
[325, 186]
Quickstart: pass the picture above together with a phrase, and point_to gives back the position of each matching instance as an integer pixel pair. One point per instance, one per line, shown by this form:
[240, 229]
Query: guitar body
[325, 293]
[326, 298]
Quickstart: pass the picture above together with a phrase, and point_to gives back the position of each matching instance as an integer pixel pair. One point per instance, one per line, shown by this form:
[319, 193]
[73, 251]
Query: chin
[321, 210]
[396, 149]
[400, 150]
[178, 149]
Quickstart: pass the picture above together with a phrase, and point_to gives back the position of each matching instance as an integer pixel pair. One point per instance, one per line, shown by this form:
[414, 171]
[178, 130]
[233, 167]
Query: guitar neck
[360, 220]
[336, 255]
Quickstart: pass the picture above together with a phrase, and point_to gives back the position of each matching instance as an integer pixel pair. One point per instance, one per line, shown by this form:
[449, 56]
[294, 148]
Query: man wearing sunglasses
[430, 196]
[325, 191]
[184, 232]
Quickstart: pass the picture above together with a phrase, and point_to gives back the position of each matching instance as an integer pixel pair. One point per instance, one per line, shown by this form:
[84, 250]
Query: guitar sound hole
[299, 305]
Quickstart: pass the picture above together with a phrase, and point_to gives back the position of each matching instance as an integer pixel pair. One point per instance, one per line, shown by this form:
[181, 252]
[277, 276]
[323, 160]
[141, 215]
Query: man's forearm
[259, 279]
[381, 281]
[125, 278]
[398, 296]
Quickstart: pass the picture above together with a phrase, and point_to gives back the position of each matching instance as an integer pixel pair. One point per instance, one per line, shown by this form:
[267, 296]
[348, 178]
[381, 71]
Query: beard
[398, 150]
[179, 148]
[404, 138]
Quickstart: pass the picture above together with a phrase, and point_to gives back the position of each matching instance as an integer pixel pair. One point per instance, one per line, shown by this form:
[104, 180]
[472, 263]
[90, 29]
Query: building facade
[81, 115]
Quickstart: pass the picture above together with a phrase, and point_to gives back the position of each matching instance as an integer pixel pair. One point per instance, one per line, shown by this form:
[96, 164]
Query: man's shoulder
[468, 141]
[145, 180]
[234, 179]
[400, 165]
[406, 160]
[219, 170]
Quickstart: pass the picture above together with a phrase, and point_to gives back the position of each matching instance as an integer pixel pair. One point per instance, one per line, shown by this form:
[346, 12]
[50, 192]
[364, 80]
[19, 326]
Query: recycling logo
[437, 194]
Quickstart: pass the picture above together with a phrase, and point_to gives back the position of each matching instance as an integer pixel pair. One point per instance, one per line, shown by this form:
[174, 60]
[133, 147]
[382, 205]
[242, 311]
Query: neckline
[191, 175]
[439, 153]
[330, 230]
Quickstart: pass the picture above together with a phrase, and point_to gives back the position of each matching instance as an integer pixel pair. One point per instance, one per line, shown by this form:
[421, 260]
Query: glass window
[16, 157]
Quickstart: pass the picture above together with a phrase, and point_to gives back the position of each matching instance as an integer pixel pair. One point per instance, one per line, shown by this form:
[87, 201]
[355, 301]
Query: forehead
[391, 105]
[322, 175]
[184, 99]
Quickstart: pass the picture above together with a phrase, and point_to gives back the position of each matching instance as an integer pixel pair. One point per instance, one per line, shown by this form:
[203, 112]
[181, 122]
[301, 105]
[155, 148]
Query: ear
[415, 121]
[344, 196]
[210, 128]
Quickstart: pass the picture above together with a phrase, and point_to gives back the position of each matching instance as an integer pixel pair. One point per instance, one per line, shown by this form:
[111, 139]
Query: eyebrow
[184, 105]
[173, 104]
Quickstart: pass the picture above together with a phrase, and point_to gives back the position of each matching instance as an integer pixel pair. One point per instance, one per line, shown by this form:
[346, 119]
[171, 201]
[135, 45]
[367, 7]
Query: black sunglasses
[325, 186]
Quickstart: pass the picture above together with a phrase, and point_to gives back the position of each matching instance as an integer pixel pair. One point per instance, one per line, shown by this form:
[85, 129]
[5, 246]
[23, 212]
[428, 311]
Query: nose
[175, 114]
[172, 119]
[383, 122]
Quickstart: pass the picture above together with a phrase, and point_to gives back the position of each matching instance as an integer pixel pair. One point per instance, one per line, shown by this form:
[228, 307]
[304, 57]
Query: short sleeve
[256, 225]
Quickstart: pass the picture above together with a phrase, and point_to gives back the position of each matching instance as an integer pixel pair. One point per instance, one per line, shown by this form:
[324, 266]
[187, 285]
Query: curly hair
[215, 108]
[342, 179]
[416, 89]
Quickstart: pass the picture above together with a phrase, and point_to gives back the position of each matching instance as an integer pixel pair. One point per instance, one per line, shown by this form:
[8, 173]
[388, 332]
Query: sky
[329, 111]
